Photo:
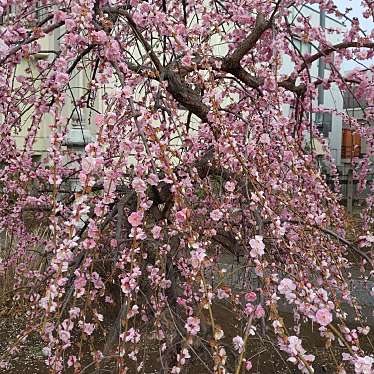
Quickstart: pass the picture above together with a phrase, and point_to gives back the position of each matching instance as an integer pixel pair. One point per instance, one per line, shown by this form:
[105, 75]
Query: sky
[366, 24]
[356, 11]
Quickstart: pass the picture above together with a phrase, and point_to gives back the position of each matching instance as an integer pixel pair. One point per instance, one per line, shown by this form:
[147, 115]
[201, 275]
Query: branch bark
[249, 42]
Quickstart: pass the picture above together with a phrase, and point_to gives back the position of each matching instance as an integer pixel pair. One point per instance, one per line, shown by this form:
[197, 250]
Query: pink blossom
[91, 164]
[294, 345]
[88, 328]
[89, 244]
[323, 317]
[230, 186]
[100, 119]
[135, 218]
[140, 234]
[156, 232]
[74, 312]
[99, 37]
[98, 356]
[132, 336]
[287, 156]
[72, 360]
[363, 365]
[70, 24]
[322, 294]
[216, 215]
[5, 364]
[187, 59]
[249, 308]
[59, 16]
[79, 285]
[55, 179]
[129, 281]
[126, 91]
[153, 179]
[222, 294]
[64, 336]
[366, 240]
[183, 356]
[80, 282]
[265, 139]
[286, 286]
[61, 79]
[186, 130]
[257, 246]
[259, 312]
[112, 51]
[295, 349]
[238, 343]
[363, 330]
[97, 281]
[193, 325]
[198, 256]
[99, 316]
[248, 365]
[370, 239]
[139, 185]
[55, 362]
[250, 296]
[181, 216]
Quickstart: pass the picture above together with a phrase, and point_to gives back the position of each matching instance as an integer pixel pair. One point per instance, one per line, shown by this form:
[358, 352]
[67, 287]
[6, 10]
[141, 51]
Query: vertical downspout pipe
[321, 62]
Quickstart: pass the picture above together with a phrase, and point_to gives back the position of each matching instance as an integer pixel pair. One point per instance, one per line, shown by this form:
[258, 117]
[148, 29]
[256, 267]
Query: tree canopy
[199, 191]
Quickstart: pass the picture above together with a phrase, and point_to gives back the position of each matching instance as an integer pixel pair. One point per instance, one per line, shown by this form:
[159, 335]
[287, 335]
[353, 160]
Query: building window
[324, 123]
[350, 101]
[36, 159]
[42, 11]
[351, 144]
[8, 12]
[302, 47]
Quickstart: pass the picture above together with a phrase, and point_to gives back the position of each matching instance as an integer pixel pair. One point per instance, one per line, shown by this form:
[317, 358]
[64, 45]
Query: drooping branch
[37, 35]
[335, 236]
[138, 34]
[336, 47]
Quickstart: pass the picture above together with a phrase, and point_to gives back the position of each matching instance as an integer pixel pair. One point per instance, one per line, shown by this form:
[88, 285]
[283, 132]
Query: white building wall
[333, 99]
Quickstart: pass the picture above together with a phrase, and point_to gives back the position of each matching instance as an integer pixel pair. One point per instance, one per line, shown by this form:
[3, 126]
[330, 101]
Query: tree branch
[184, 94]
[336, 47]
[249, 42]
[138, 34]
[31, 39]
